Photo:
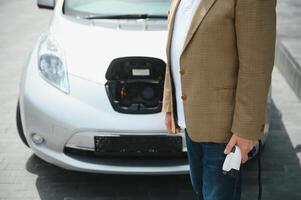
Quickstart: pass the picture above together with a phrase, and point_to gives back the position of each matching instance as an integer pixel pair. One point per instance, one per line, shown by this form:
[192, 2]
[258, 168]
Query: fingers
[168, 122]
[178, 130]
[244, 155]
[168, 127]
[230, 145]
[245, 149]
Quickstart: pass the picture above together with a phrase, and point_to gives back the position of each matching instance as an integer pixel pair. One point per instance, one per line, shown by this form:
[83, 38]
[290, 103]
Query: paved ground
[24, 176]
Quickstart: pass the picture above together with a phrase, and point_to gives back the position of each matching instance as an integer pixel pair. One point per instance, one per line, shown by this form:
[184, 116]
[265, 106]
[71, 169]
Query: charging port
[135, 84]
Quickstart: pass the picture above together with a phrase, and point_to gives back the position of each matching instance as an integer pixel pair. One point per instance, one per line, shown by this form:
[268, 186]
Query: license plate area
[142, 145]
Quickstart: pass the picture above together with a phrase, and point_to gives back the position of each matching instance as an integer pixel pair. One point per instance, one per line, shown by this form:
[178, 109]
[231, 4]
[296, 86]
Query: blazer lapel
[198, 17]
[172, 12]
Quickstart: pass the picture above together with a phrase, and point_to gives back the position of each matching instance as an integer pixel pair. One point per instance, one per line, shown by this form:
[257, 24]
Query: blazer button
[184, 97]
[182, 71]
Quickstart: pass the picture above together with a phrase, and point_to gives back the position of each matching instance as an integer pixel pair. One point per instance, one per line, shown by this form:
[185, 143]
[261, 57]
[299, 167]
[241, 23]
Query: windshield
[83, 8]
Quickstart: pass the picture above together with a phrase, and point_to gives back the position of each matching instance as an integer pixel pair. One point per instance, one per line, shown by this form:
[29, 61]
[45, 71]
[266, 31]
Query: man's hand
[168, 123]
[245, 146]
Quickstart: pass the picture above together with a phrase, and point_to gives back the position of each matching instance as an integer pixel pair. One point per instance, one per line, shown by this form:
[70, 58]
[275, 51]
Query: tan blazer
[225, 68]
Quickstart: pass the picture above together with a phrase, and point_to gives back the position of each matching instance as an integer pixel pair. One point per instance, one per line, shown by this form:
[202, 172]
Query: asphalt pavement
[24, 176]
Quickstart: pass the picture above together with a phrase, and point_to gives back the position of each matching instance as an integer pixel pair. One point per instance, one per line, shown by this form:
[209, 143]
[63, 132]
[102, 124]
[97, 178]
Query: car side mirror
[46, 4]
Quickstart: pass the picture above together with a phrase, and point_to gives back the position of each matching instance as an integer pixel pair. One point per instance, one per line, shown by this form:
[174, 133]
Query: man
[220, 55]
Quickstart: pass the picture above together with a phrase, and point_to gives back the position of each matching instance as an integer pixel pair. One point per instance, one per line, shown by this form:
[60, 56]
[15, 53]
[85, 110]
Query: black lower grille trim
[147, 156]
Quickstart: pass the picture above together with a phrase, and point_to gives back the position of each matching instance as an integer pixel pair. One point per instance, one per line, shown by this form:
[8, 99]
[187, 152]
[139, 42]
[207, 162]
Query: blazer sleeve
[255, 26]
[166, 107]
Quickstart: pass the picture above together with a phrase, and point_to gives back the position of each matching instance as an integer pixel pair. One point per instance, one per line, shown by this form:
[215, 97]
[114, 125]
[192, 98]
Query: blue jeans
[209, 183]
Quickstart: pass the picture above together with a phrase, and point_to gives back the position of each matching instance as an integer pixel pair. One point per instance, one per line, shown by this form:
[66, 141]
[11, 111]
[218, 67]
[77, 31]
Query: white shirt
[183, 17]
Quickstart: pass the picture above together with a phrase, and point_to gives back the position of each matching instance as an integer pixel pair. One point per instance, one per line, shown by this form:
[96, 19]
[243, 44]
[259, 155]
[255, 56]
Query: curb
[288, 67]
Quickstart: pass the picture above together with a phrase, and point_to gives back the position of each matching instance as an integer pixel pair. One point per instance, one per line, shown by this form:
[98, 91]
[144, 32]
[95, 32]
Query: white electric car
[91, 90]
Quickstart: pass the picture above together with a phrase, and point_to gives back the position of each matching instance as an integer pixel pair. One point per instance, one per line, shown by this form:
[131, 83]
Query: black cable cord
[259, 171]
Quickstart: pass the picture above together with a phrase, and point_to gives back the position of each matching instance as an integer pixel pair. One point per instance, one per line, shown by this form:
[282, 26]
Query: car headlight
[52, 63]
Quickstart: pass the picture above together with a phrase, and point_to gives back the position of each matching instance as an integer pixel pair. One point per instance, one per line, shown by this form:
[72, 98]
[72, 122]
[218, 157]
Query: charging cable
[259, 171]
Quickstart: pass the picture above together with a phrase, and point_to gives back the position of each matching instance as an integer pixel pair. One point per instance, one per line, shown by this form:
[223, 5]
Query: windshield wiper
[126, 16]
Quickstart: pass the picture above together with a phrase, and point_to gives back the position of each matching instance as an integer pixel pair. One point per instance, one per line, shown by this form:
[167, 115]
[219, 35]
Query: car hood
[91, 45]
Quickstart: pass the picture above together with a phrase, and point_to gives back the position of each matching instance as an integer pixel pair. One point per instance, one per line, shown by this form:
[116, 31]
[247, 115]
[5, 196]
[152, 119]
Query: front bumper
[73, 120]
[113, 165]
